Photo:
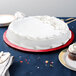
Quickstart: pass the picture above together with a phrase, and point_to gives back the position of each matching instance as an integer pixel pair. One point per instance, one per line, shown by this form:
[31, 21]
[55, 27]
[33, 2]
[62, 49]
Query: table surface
[33, 64]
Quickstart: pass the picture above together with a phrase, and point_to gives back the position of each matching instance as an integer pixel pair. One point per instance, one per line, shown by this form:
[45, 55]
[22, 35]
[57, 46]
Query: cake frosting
[38, 32]
[72, 48]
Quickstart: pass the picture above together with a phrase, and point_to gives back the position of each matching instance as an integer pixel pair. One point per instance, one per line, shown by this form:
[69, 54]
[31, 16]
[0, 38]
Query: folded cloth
[7, 73]
[5, 61]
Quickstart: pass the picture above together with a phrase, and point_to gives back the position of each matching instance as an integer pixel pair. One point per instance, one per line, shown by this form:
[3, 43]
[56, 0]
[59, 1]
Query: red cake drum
[38, 34]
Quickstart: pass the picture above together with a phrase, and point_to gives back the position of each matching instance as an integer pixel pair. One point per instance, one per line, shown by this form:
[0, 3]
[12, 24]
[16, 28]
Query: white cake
[38, 32]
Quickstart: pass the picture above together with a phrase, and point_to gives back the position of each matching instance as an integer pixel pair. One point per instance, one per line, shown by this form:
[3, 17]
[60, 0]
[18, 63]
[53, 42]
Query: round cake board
[31, 50]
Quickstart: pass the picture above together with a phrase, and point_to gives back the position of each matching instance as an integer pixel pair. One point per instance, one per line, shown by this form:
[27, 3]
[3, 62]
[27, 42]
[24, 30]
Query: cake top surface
[72, 48]
[39, 26]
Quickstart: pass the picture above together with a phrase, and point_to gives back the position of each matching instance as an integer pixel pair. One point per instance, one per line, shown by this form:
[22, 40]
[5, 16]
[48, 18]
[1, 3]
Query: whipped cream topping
[55, 22]
[39, 26]
[72, 48]
[19, 15]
